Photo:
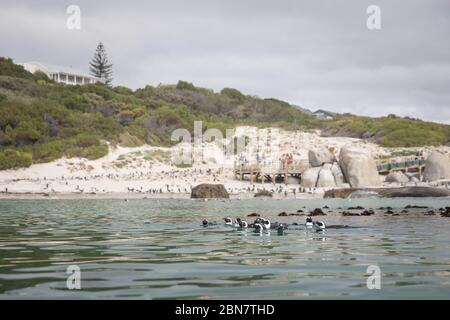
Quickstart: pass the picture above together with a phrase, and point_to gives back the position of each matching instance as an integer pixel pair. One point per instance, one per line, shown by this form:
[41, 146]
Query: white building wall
[33, 68]
[56, 76]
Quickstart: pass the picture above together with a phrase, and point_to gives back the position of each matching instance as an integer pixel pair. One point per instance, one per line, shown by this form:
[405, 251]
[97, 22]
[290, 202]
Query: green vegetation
[12, 159]
[41, 121]
[390, 131]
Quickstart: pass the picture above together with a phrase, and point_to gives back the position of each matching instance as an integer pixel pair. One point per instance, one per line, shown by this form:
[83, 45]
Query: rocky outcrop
[397, 177]
[320, 156]
[206, 190]
[338, 175]
[359, 167]
[263, 193]
[309, 177]
[317, 212]
[437, 167]
[414, 192]
[326, 178]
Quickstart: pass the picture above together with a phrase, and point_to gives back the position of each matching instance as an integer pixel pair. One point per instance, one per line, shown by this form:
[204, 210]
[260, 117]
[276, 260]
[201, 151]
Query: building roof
[52, 68]
[325, 112]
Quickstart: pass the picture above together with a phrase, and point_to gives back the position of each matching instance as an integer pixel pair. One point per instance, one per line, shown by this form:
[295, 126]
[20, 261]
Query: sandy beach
[150, 172]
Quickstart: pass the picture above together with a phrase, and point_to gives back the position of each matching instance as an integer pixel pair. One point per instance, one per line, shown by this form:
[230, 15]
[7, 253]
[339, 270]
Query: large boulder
[437, 167]
[359, 168]
[407, 192]
[207, 190]
[338, 175]
[397, 177]
[310, 176]
[319, 156]
[326, 178]
[263, 193]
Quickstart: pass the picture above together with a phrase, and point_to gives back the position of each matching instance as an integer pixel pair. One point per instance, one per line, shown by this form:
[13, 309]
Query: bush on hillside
[10, 69]
[184, 85]
[14, 159]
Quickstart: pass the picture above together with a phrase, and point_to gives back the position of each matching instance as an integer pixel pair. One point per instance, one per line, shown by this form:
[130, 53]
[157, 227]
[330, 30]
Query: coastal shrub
[21, 86]
[184, 85]
[99, 89]
[9, 68]
[47, 152]
[129, 141]
[145, 93]
[91, 153]
[123, 90]
[40, 76]
[125, 117]
[13, 159]
[232, 93]
[27, 131]
[84, 140]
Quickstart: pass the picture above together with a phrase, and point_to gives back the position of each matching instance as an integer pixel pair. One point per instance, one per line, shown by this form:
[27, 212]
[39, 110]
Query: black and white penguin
[319, 225]
[228, 221]
[309, 222]
[242, 223]
[266, 224]
[280, 227]
[207, 223]
[258, 227]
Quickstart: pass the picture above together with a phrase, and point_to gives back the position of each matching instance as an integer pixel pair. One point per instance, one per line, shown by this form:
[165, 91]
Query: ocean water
[157, 249]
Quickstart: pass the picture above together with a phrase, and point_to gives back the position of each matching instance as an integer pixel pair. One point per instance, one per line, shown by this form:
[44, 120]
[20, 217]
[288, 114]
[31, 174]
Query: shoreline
[125, 195]
[186, 196]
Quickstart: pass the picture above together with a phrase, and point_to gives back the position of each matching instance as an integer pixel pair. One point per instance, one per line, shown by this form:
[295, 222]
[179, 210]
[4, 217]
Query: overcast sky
[316, 54]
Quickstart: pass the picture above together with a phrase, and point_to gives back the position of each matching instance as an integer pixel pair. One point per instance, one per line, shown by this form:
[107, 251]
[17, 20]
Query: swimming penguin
[228, 221]
[242, 223]
[258, 227]
[309, 222]
[319, 225]
[207, 223]
[266, 224]
[280, 229]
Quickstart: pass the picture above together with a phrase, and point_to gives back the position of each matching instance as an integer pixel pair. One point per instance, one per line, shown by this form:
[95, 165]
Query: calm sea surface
[157, 249]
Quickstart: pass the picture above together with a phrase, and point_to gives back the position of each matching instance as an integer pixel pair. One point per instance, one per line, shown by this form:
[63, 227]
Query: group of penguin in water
[261, 224]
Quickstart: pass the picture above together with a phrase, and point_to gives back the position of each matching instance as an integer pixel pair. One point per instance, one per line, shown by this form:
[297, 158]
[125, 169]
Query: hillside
[41, 121]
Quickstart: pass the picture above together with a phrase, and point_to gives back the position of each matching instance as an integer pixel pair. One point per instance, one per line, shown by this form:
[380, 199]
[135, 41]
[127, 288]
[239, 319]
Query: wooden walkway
[257, 172]
[405, 164]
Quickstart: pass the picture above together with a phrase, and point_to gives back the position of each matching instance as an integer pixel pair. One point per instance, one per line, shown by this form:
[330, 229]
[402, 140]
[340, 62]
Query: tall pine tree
[100, 66]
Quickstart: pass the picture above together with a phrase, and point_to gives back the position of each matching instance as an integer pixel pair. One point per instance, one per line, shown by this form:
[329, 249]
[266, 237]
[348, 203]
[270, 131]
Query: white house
[60, 74]
[323, 114]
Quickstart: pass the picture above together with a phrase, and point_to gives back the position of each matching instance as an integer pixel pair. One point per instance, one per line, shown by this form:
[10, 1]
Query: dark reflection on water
[157, 249]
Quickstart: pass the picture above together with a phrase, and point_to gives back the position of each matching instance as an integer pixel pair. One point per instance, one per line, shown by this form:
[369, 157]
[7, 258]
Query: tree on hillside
[100, 66]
